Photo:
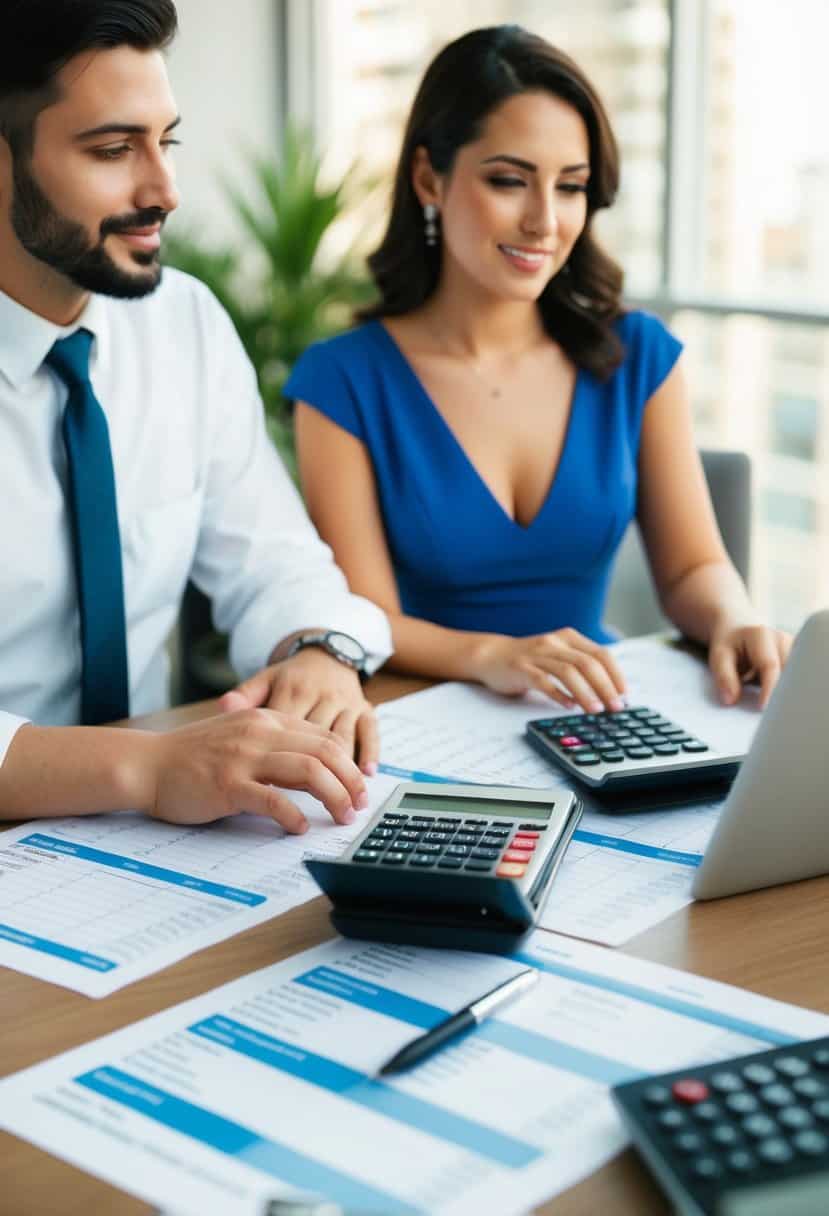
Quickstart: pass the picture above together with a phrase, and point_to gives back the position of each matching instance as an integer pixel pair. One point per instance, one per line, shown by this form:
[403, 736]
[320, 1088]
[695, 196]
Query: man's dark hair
[40, 36]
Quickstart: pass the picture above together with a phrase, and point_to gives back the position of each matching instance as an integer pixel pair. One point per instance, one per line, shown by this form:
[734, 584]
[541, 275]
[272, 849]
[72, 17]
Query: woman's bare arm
[698, 586]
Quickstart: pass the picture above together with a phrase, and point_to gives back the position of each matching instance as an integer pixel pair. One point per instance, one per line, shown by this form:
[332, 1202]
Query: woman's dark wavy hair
[463, 84]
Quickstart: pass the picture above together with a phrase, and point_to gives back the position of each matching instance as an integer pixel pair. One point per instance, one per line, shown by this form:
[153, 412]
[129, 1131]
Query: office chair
[632, 606]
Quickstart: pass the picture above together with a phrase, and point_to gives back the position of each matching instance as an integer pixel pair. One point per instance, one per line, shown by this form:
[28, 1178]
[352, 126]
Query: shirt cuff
[253, 644]
[9, 726]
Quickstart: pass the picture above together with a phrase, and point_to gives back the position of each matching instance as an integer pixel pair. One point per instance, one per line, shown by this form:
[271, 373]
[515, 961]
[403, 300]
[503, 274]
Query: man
[132, 455]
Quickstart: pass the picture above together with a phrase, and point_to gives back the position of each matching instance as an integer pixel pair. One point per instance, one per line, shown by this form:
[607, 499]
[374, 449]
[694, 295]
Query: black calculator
[715, 1135]
[451, 864]
[630, 749]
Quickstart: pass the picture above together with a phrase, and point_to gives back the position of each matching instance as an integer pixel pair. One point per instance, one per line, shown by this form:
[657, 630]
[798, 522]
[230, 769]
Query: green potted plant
[282, 295]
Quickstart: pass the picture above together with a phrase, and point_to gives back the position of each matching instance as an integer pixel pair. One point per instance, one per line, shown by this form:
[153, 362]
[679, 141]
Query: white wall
[223, 71]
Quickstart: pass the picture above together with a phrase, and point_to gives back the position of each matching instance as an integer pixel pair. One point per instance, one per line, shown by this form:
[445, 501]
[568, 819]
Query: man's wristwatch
[341, 646]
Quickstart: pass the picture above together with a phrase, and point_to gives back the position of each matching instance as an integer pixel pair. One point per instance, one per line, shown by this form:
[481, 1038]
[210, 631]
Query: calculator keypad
[478, 846]
[755, 1120]
[613, 736]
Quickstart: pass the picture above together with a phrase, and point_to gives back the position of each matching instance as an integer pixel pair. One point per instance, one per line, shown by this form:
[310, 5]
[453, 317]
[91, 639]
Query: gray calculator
[619, 751]
[747, 1136]
[446, 864]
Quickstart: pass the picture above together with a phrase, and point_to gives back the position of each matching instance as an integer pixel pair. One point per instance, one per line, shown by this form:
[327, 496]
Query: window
[765, 170]
[794, 426]
[789, 510]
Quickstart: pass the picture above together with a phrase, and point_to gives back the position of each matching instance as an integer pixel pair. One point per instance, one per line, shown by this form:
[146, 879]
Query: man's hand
[209, 770]
[314, 686]
[221, 766]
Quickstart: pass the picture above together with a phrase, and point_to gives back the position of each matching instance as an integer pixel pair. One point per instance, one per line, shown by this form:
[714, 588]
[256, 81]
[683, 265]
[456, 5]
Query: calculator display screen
[453, 805]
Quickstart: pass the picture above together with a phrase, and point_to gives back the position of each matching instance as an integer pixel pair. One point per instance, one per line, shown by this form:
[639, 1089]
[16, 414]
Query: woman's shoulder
[650, 353]
[650, 349]
[345, 350]
[642, 331]
[339, 377]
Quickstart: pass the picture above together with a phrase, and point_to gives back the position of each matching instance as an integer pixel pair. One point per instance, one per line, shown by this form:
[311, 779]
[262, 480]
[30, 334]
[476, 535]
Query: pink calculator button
[516, 855]
[522, 842]
[690, 1090]
[570, 741]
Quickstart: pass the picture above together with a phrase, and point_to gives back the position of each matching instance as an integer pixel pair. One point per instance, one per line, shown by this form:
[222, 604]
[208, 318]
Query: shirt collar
[26, 338]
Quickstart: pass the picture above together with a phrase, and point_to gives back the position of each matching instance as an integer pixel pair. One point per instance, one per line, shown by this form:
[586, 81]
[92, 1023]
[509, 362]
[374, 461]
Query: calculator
[617, 751]
[451, 864]
[758, 1123]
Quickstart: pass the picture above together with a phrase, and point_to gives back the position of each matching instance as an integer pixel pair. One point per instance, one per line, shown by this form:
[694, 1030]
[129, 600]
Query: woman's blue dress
[459, 559]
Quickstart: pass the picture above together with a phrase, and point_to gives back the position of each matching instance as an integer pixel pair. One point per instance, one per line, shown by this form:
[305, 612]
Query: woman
[474, 451]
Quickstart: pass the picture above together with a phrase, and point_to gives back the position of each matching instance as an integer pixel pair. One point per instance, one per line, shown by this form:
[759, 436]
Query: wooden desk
[772, 942]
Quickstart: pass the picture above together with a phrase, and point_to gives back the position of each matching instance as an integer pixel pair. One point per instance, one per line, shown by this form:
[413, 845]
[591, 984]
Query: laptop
[774, 825]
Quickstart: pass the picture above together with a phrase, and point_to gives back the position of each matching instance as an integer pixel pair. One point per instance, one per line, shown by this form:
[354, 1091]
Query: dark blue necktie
[95, 536]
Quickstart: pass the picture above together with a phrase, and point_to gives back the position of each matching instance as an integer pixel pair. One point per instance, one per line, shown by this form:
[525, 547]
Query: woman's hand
[564, 665]
[737, 654]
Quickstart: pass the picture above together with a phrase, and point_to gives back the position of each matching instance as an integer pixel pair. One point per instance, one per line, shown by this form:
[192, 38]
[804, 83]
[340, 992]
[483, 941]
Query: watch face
[347, 646]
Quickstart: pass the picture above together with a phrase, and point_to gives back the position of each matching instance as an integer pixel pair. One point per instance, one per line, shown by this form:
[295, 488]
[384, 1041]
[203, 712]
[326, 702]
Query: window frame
[685, 169]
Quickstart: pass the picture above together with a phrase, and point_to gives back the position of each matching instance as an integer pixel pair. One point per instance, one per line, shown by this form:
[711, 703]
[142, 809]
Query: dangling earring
[430, 223]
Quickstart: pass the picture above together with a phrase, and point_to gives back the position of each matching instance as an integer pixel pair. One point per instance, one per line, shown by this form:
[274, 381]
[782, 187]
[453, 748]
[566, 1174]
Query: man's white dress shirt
[201, 494]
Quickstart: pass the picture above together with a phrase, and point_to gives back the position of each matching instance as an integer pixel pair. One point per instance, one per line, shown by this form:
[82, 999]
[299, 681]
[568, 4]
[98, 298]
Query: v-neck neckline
[481, 481]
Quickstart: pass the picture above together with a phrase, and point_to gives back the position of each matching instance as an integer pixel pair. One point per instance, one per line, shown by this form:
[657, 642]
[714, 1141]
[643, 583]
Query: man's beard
[65, 246]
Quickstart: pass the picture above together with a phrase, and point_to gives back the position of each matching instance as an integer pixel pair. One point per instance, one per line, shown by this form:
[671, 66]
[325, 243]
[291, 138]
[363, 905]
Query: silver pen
[472, 1015]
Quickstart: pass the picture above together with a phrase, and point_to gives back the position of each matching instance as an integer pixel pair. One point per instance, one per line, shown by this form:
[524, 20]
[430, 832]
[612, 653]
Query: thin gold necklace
[494, 391]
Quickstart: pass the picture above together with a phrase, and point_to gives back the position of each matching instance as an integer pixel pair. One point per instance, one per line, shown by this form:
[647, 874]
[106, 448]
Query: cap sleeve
[652, 353]
[321, 378]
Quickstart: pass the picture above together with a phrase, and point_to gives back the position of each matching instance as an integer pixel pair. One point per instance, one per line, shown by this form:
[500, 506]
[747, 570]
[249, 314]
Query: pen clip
[508, 991]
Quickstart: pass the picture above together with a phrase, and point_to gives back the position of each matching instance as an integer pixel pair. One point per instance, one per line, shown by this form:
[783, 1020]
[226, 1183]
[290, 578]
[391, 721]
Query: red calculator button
[509, 869]
[526, 834]
[690, 1091]
[517, 855]
[570, 741]
[521, 842]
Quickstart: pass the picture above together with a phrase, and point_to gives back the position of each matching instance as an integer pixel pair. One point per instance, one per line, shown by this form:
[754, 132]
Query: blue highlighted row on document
[96, 902]
[268, 1087]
